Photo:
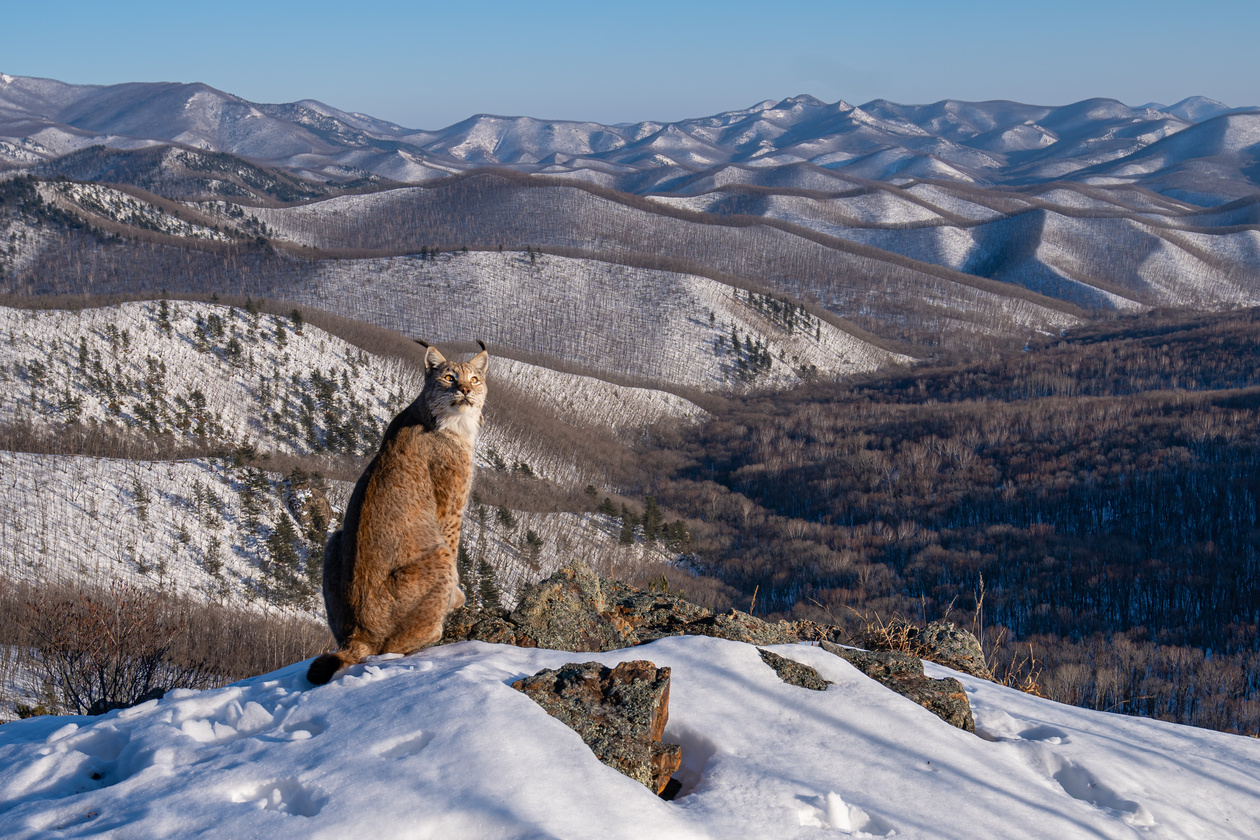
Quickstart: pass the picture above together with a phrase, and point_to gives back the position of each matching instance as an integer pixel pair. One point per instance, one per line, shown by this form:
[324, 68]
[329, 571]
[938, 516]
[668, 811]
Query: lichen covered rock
[471, 624]
[619, 712]
[794, 672]
[741, 627]
[567, 611]
[576, 611]
[903, 673]
[943, 643]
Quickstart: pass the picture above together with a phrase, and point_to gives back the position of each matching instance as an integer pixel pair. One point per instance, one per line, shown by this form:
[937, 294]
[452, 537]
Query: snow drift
[438, 744]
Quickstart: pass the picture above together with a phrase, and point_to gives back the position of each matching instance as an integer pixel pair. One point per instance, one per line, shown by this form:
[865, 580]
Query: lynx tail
[325, 665]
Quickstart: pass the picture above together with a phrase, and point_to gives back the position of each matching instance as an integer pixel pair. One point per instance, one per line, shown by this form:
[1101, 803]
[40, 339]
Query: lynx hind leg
[427, 592]
[457, 597]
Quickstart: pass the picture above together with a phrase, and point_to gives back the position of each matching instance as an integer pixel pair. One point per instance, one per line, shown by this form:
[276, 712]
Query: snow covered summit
[438, 744]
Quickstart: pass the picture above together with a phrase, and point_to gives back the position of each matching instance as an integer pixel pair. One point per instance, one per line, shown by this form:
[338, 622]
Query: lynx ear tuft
[421, 342]
[433, 358]
[481, 344]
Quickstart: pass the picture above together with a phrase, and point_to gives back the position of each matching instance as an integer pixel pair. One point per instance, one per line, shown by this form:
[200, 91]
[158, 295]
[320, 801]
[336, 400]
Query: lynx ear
[481, 361]
[433, 358]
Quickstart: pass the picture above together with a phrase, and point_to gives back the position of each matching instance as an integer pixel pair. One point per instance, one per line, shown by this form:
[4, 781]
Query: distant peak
[1197, 108]
[801, 99]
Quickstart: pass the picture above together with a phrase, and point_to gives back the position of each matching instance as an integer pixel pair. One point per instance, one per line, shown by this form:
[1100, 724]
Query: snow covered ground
[439, 745]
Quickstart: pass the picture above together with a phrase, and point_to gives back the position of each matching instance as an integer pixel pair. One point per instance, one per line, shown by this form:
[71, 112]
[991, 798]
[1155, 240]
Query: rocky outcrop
[619, 712]
[940, 642]
[742, 627]
[305, 498]
[794, 672]
[903, 673]
[574, 610]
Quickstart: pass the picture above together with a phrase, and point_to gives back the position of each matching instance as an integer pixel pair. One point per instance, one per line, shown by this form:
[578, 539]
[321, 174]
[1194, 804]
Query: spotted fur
[389, 575]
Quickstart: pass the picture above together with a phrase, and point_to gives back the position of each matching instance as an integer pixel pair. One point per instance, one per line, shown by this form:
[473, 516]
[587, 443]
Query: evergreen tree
[284, 560]
[467, 574]
[488, 587]
[628, 523]
[651, 519]
[533, 546]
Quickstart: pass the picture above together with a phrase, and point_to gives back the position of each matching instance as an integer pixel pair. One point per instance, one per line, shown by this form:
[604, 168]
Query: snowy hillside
[208, 528]
[221, 379]
[204, 373]
[223, 376]
[659, 326]
[438, 744]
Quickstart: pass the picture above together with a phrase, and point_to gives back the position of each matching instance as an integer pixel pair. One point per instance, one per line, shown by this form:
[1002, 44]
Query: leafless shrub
[97, 649]
[110, 649]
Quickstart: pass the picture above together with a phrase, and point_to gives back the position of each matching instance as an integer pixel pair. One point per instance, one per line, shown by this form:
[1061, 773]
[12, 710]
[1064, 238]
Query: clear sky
[427, 65]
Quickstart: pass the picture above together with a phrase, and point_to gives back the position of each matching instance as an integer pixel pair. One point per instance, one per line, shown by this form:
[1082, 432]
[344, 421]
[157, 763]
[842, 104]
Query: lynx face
[454, 392]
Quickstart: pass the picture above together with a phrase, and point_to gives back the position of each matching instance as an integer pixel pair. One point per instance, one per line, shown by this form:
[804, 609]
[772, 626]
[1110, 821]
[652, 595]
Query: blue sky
[426, 65]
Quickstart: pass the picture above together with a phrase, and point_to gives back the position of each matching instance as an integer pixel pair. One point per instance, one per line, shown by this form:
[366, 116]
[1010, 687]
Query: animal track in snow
[1049, 734]
[1035, 739]
[300, 730]
[1000, 726]
[93, 750]
[406, 746]
[103, 742]
[288, 796]
[1081, 784]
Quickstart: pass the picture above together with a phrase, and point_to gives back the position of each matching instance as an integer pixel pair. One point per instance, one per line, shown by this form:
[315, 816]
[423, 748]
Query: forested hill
[1098, 491]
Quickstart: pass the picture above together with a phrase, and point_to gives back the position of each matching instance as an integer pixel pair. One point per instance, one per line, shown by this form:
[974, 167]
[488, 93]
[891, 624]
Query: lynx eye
[448, 379]
[476, 380]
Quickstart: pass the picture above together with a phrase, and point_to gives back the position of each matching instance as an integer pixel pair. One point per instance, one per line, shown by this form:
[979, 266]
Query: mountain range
[1197, 150]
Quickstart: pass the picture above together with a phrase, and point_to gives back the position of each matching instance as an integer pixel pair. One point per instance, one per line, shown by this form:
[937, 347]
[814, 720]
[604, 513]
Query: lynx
[389, 575]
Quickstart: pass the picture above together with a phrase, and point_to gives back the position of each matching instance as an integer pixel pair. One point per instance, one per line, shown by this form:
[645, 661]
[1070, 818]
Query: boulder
[567, 611]
[649, 615]
[943, 643]
[794, 672]
[619, 712]
[469, 623]
[903, 673]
